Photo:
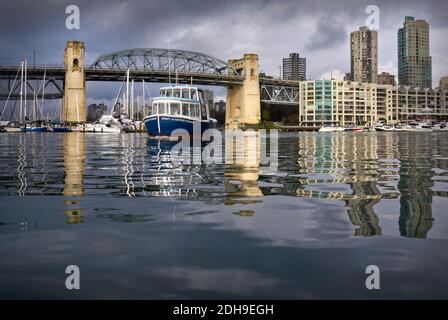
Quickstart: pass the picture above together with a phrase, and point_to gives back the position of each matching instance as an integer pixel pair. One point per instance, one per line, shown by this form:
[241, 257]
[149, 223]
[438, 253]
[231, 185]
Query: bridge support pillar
[74, 107]
[243, 101]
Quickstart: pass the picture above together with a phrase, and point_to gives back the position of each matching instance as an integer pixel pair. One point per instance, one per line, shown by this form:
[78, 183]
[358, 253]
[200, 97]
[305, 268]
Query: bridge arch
[157, 59]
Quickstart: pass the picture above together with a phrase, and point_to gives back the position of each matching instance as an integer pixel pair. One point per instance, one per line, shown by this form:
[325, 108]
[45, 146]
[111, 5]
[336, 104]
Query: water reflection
[74, 156]
[415, 186]
[242, 158]
[361, 171]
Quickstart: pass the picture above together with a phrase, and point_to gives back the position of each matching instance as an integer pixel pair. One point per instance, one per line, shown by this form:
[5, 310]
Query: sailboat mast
[25, 104]
[132, 100]
[43, 91]
[21, 94]
[143, 98]
[77, 106]
[127, 92]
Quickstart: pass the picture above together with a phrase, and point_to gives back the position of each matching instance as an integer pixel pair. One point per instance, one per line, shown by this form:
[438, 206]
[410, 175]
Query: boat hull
[62, 130]
[13, 129]
[163, 126]
[37, 129]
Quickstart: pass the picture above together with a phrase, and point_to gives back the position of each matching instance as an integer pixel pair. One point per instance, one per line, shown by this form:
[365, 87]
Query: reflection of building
[95, 111]
[344, 102]
[242, 155]
[343, 158]
[364, 55]
[294, 67]
[414, 61]
[415, 186]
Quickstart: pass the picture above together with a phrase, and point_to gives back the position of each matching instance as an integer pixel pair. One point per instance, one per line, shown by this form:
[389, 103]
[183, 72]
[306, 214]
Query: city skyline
[322, 28]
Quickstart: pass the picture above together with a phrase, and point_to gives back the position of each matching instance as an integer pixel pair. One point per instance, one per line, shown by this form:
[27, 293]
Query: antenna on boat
[191, 81]
[169, 63]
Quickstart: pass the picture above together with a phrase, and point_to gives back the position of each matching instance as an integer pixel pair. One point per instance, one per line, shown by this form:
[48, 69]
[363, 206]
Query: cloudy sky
[317, 29]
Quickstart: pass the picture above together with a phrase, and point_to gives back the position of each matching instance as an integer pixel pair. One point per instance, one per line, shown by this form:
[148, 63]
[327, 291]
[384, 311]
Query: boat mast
[143, 98]
[25, 104]
[43, 91]
[77, 106]
[127, 92]
[132, 100]
[21, 94]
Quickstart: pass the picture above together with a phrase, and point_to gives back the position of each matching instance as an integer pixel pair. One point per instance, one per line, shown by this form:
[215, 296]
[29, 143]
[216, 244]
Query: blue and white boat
[178, 107]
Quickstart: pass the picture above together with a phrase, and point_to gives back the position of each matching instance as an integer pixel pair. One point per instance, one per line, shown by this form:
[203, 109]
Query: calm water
[138, 227]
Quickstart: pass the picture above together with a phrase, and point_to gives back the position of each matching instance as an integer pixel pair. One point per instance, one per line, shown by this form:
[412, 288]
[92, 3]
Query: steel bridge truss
[162, 60]
[54, 89]
[279, 94]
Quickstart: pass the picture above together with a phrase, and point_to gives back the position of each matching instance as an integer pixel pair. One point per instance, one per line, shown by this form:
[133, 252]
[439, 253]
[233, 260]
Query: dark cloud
[327, 35]
[318, 29]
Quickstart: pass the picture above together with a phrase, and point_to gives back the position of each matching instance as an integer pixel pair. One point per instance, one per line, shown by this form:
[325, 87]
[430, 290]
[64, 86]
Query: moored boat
[417, 127]
[331, 128]
[381, 126]
[178, 107]
[106, 124]
[354, 128]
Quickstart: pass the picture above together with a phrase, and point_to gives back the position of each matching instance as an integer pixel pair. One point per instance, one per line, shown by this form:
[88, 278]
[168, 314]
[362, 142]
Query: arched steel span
[161, 60]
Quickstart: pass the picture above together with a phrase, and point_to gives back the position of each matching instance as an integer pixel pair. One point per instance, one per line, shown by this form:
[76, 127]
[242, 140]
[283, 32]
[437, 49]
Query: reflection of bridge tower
[242, 161]
[74, 156]
[415, 187]
[74, 108]
[243, 101]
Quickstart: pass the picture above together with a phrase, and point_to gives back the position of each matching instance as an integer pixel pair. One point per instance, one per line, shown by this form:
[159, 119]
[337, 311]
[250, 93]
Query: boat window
[176, 93]
[192, 111]
[175, 108]
[197, 111]
[163, 92]
[169, 93]
[186, 109]
[203, 113]
[186, 94]
[161, 109]
[193, 94]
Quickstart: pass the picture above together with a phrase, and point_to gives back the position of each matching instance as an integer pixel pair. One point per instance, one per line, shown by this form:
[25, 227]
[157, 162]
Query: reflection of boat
[417, 127]
[106, 124]
[178, 107]
[331, 129]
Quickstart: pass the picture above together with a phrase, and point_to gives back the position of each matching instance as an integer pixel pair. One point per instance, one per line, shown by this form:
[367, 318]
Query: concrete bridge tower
[243, 101]
[74, 107]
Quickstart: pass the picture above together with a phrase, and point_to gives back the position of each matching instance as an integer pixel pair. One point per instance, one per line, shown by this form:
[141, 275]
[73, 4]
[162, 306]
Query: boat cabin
[180, 101]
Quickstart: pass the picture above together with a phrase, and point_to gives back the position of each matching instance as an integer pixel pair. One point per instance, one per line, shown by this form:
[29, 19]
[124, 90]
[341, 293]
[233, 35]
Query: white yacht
[381, 126]
[417, 127]
[106, 124]
[440, 127]
[331, 128]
